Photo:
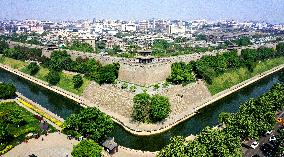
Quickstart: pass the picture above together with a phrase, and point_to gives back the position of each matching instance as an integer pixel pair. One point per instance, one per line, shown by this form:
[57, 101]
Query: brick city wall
[144, 74]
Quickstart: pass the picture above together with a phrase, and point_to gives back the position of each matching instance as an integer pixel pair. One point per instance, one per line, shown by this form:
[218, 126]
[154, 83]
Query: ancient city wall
[144, 74]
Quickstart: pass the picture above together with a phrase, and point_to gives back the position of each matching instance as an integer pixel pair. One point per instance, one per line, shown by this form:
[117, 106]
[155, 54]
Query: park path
[53, 145]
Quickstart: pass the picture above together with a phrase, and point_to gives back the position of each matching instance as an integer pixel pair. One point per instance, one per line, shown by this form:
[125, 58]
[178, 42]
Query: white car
[272, 138]
[254, 145]
[269, 132]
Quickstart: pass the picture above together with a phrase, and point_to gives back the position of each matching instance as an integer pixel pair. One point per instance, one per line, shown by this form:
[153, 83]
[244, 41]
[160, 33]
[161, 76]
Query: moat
[208, 116]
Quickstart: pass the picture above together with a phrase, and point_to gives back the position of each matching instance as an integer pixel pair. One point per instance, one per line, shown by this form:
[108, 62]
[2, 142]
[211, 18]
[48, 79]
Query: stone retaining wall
[144, 74]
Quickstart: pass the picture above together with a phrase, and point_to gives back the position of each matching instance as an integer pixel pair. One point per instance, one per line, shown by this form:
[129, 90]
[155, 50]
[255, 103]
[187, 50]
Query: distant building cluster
[122, 34]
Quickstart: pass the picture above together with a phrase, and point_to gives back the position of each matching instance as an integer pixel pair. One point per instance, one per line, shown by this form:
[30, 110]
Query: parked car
[269, 132]
[272, 138]
[254, 145]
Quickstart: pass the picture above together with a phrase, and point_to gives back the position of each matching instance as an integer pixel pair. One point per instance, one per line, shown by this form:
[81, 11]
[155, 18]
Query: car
[254, 145]
[272, 138]
[269, 132]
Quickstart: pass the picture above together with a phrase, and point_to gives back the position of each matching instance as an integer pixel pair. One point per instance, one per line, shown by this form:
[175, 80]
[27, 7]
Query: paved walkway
[53, 145]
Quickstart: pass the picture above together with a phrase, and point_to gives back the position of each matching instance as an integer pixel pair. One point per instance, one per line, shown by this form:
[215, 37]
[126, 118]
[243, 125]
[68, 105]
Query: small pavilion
[110, 146]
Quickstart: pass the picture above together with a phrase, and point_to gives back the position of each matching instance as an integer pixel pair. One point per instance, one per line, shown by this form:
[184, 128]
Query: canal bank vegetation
[7, 91]
[92, 69]
[150, 109]
[254, 118]
[89, 123]
[227, 69]
[15, 125]
[51, 68]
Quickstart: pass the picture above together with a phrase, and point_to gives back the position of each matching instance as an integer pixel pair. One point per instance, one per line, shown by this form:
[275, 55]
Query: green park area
[235, 76]
[16, 64]
[65, 82]
[16, 123]
[225, 70]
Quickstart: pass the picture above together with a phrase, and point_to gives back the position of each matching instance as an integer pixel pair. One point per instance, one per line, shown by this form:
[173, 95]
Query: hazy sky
[261, 10]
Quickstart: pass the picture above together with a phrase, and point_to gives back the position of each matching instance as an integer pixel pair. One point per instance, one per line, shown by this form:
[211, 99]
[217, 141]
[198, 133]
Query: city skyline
[267, 10]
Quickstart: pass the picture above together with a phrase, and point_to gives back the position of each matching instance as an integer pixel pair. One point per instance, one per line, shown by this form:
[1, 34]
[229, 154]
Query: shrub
[7, 91]
[156, 86]
[124, 86]
[53, 77]
[107, 74]
[77, 81]
[33, 68]
[87, 148]
[160, 108]
[166, 84]
[133, 88]
[141, 107]
[150, 109]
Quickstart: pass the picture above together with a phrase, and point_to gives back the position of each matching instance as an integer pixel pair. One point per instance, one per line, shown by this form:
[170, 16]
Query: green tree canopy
[160, 108]
[59, 60]
[7, 90]
[53, 77]
[3, 46]
[33, 68]
[81, 46]
[89, 122]
[87, 148]
[150, 109]
[77, 81]
[181, 73]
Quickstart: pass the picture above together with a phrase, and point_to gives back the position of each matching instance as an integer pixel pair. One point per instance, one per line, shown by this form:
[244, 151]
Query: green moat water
[208, 116]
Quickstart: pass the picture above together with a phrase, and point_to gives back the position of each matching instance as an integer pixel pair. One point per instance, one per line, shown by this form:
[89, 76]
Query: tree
[161, 44]
[53, 77]
[59, 60]
[5, 135]
[176, 148]
[160, 108]
[3, 46]
[87, 148]
[141, 107]
[150, 109]
[89, 122]
[181, 73]
[280, 49]
[107, 73]
[33, 68]
[81, 46]
[7, 90]
[77, 81]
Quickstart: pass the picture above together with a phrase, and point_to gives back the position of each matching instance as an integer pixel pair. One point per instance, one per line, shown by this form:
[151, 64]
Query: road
[263, 140]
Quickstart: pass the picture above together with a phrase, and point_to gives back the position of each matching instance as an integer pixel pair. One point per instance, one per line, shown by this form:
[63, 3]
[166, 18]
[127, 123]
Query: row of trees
[92, 69]
[23, 53]
[149, 109]
[81, 46]
[24, 38]
[7, 90]
[254, 118]
[209, 67]
[162, 47]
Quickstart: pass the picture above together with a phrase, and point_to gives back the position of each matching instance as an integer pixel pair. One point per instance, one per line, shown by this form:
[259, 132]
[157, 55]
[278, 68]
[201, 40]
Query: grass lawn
[18, 123]
[65, 80]
[67, 84]
[16, 64]
[236, 76]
